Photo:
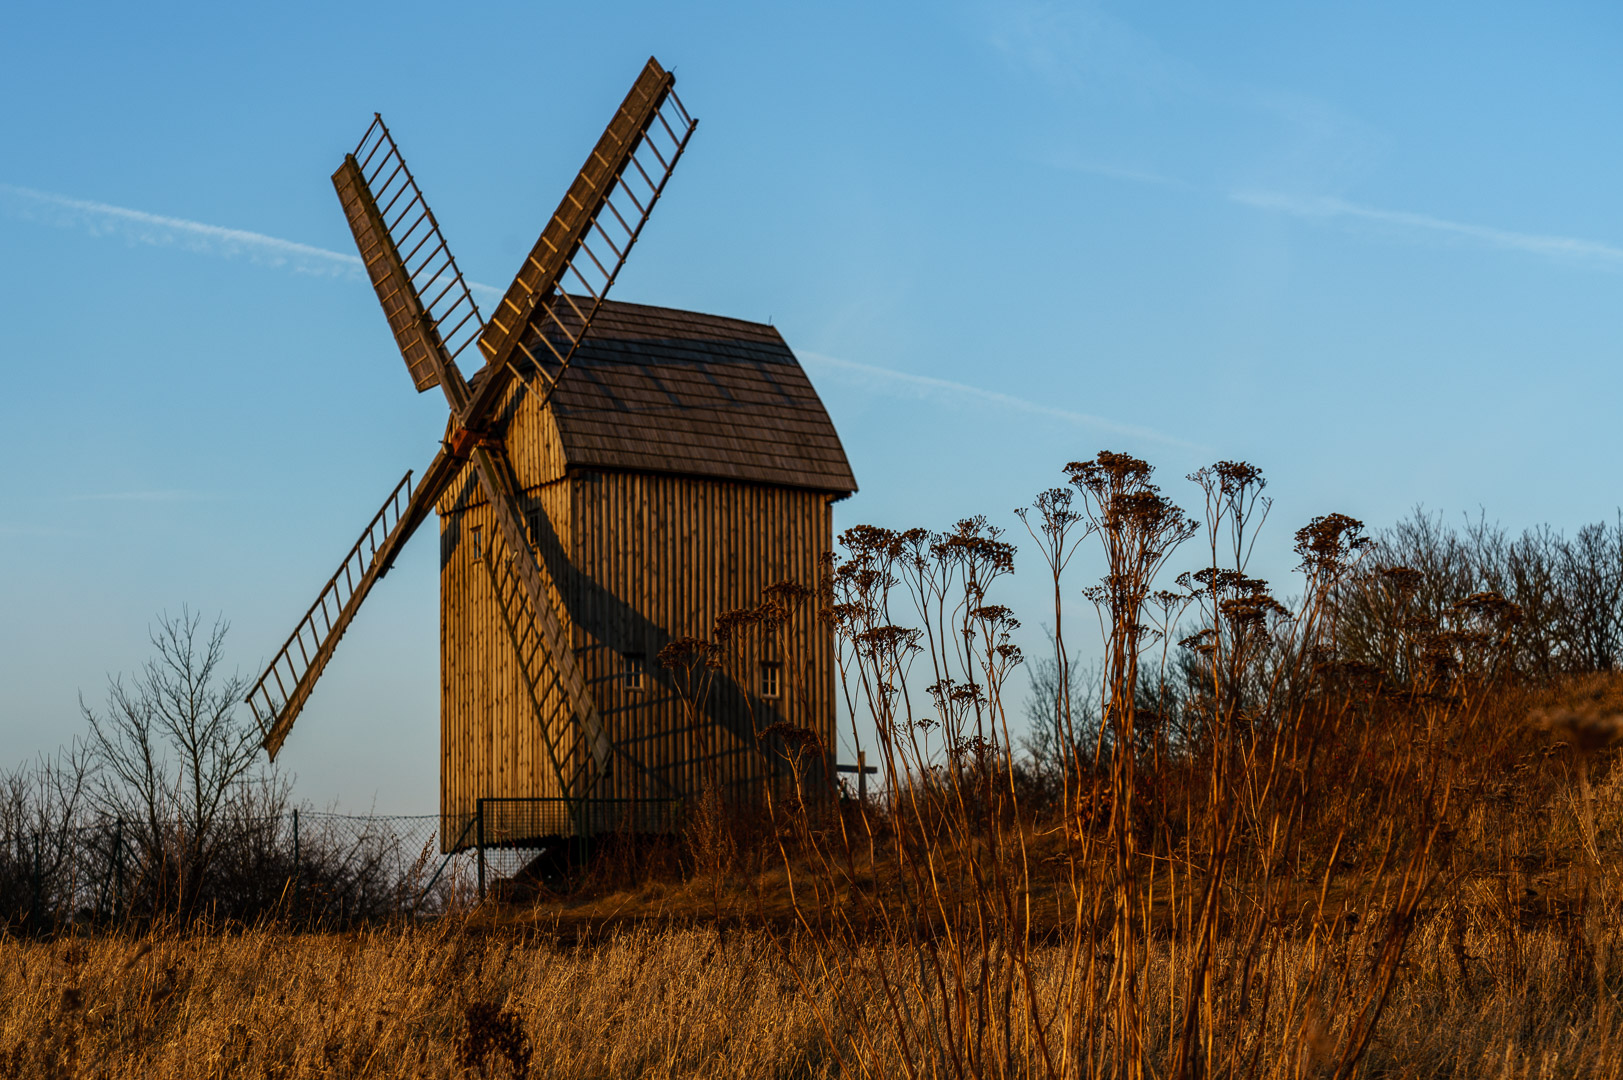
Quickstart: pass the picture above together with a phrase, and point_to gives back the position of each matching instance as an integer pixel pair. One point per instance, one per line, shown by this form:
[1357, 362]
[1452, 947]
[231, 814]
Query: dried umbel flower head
[1204, 641]
[1329, 544]
[1055, 513]
[796, 739]
[1251, 611]
[779, 602]
[1109, 471]
[690, 652]
[1220, 583]
[1230, 478]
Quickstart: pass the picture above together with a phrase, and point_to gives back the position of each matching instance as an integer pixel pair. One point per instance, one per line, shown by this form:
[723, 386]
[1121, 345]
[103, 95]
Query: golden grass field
[656, 1003]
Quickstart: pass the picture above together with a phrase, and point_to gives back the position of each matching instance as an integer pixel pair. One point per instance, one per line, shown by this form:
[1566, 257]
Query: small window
[478, 542]
[771, 679]
[632, 671]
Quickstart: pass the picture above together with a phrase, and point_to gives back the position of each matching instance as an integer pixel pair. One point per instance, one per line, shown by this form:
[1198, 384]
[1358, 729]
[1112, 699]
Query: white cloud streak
[1326, 207]
[1321, 147]
[201, 238]
[907, 384]
[138, 226]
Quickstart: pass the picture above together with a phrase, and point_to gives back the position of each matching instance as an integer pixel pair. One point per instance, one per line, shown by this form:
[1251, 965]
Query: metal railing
[520, 829]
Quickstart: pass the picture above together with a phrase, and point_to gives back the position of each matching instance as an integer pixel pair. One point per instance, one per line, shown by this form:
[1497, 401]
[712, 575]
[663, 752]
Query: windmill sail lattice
[495, 479]
[571, 757]
[281, 691]
[423, 293]
[549, 307]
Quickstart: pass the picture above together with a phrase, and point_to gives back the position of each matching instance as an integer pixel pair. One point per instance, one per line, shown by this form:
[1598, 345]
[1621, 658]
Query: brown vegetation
[1369, 834]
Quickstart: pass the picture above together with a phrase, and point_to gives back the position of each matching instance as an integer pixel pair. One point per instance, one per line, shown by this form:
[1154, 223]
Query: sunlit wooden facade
[683, 466]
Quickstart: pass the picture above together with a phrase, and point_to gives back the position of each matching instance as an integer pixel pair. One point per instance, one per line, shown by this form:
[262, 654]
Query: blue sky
[1374, 249]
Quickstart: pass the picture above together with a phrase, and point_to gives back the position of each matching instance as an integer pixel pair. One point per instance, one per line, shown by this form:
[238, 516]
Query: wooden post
[479, 844]
[34, 912]
[296, 860]
[118, 869]
[862, 777]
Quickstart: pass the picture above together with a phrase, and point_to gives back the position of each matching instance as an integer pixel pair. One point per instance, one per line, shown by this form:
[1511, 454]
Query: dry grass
[680, 1003]
[402, 1003]
[1512, 972]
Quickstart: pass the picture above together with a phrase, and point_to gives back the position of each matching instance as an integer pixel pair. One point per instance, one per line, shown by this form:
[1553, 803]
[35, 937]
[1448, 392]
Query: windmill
[528, 611]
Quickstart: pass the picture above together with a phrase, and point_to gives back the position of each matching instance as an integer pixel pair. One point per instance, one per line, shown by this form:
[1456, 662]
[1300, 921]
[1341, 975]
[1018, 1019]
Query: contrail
[1564, 247]
[138, 226]
[927, 385]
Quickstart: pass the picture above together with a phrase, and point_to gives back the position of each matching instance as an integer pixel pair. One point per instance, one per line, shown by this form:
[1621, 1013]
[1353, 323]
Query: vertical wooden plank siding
[637, 560]
[660, 557]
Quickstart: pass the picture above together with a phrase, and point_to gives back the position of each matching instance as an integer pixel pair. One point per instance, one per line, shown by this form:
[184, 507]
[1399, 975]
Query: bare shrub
[175, 755]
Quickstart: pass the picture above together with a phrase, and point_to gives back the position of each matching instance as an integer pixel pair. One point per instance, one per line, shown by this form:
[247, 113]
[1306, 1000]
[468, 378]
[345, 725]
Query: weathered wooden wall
[637, 559]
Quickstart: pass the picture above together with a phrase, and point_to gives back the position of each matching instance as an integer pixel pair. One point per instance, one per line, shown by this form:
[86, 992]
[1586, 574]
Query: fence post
[479, 844]
[118, 868]
[296, 862]
[34, 915]
[862, 777]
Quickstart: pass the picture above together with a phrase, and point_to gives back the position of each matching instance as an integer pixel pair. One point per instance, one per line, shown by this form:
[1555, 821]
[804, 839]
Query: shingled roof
[659, 390]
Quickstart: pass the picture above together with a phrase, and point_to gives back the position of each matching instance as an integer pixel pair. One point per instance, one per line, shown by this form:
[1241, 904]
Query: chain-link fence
[307, 867]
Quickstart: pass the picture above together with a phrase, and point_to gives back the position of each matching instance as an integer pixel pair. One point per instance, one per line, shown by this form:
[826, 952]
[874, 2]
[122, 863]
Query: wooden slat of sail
[523, 309]
[400, 304]
[282, 690]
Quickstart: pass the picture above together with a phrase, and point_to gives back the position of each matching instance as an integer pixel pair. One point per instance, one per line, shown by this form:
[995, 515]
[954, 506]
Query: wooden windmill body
[614, 478]
[684, 468]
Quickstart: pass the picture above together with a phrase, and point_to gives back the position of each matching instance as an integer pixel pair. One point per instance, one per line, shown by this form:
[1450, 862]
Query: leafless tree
[1061, 711]
[1567, 591]
[174, 750]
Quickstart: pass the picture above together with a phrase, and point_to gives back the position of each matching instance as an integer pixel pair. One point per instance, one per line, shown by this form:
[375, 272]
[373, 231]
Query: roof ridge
[709, 317]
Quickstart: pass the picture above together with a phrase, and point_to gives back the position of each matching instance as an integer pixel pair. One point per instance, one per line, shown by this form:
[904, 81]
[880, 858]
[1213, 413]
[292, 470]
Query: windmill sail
[430, 311]
[573, 765]
[550, 305]
[286, 684]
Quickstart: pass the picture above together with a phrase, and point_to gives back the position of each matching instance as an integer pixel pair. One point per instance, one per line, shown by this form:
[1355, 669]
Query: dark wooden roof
[658, 390]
